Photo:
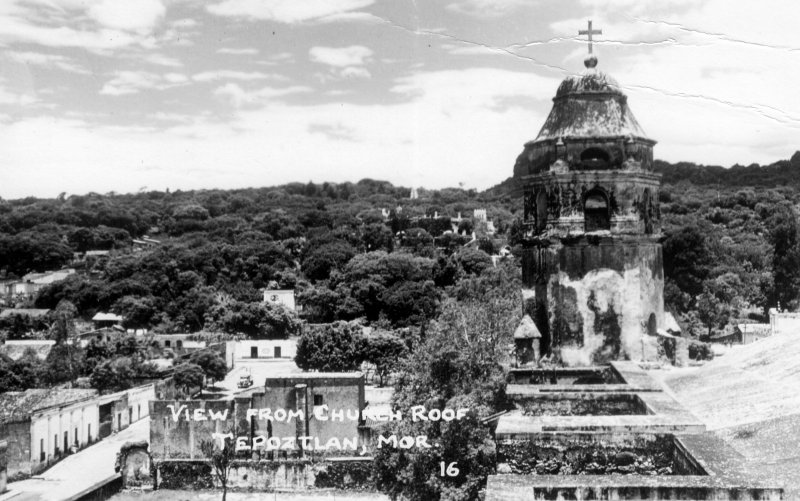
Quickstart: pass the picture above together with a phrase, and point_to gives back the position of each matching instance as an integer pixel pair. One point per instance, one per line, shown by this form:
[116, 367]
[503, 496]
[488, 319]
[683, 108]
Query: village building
[103, 319]
[30, 284]
[179, 344]
[781, 322]
[592, 255]
[42, 426]
[178, 427]
[103, 335]
[281, 296]
[744, 333]
[263, 349]
[17, 348]
[33, 313]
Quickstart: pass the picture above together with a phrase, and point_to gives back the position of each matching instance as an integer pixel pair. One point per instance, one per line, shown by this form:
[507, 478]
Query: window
[42, 455]
[179, 344]
[167, 343]
[254, 352]
[89, 433]
[596, 212]
[595, 158]
[317, 400]
[652, 325]
[647, 211]
[541, 211]
[277, 352]
[77, 443]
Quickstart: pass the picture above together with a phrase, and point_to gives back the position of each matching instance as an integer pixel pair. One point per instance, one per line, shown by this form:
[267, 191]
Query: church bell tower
[592, 260]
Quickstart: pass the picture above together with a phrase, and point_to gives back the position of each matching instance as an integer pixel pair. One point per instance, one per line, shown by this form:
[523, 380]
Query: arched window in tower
[596, 213]
[652, 325]
[595, 158]
[541, 211]
[647, 211]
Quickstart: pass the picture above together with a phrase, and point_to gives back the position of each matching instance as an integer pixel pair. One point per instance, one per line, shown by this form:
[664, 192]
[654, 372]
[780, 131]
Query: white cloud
[487, 8]
[354, 55]
[238, 97]
[447, 118]
[140, 16]
[345, 62]
[209, 76]
[133, 82]
[96, 25]
[286, 11]
[161, 60]
[16, 99]
[355, 72]
[238, 52]
[49, 61]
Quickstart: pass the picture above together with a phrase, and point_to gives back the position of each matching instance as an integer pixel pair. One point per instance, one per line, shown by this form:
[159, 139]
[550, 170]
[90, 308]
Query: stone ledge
[530, 487]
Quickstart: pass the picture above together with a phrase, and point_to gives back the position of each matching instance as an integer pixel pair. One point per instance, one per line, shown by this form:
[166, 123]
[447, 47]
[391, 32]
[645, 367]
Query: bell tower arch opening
[595, 159]
[596, 211]
[647, 211]
[541, 211]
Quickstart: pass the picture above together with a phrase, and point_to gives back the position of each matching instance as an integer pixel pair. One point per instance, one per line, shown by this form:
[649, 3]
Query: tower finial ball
[590, 61]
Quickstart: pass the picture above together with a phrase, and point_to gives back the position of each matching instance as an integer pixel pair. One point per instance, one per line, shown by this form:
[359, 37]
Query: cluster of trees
[729, 258]
[454, 361]
[218, 245]
[342, 346]
[456, 365]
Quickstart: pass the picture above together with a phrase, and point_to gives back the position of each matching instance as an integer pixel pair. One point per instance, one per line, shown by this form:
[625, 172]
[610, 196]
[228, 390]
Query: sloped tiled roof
[15, 351]
[527, 329]
[106, 317]
[16, 406]
[29, 312]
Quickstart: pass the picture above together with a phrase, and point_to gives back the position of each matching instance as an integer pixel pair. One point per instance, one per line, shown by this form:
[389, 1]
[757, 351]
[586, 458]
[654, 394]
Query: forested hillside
[731, 249]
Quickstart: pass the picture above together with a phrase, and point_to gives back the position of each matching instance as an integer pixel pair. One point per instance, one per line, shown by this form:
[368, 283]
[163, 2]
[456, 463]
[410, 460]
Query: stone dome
[589, 82]
[590, 105]
[590, 126]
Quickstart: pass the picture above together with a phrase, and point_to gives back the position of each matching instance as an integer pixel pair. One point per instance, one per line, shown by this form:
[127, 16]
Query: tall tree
[337, 347]
[221, 459]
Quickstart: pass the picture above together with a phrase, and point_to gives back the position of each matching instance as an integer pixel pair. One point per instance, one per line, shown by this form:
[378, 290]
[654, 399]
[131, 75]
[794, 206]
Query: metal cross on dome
[590, 32]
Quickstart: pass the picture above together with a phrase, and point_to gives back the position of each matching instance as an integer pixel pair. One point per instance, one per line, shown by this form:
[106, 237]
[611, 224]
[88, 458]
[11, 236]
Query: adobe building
[289, 408]
[592, 256]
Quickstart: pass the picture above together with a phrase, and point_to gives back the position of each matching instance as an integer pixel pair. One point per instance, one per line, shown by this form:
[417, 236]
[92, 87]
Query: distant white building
[280, 296]
[32, 283]
[263, 349]
[784, 322]
[102, 319]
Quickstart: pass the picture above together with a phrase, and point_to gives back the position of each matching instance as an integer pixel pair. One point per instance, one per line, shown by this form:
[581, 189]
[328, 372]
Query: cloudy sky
[124, 95]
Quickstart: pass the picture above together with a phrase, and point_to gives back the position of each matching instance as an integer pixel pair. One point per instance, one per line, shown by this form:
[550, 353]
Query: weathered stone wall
[559, 198]
[599, 295]
[133, 463]
[3, 465]
[572, 454]
[582, 404]
[181, 438]
[539, 156]
[269, 476]
[18, 452]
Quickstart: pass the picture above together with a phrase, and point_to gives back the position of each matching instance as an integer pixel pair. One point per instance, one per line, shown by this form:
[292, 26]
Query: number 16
[451, 470]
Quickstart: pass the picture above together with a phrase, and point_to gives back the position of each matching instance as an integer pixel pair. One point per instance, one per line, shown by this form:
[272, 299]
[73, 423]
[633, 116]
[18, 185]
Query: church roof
[590, 104]
[527, 329]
